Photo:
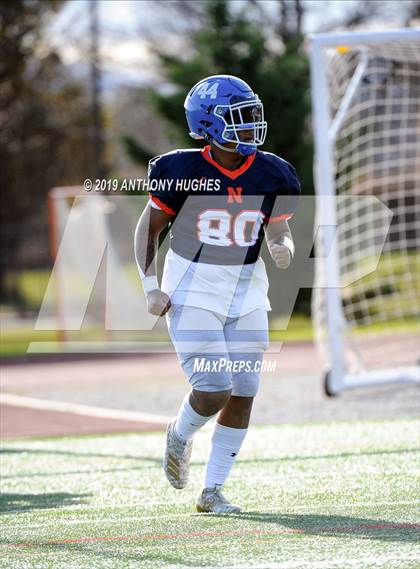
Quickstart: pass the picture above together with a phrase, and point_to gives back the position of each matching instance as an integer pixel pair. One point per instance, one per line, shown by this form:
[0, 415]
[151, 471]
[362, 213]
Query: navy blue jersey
[218, 214]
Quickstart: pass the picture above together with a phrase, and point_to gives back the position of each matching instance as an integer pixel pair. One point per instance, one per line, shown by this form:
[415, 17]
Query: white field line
[82, 410]
[107, 520]
[89, 520]
[377, 560]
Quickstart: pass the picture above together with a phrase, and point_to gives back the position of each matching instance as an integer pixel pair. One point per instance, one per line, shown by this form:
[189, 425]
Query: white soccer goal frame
[325, 131]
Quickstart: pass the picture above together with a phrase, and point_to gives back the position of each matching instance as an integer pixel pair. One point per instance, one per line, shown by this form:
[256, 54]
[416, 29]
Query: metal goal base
[333, 386]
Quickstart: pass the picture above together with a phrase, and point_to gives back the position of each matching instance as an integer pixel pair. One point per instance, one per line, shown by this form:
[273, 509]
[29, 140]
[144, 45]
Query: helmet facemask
[245, 115]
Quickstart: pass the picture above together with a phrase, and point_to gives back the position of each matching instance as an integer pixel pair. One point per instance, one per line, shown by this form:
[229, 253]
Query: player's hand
[281, 255]
[158, 302]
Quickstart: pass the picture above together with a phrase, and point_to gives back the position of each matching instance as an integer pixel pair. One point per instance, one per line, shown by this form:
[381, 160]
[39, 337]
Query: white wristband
[150, 283]
[287, 242]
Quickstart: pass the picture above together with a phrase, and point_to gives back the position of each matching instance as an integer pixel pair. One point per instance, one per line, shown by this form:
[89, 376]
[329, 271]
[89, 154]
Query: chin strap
[244, 151]
[224, 148]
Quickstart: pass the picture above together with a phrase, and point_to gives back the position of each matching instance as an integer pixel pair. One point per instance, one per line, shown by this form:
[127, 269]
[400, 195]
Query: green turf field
[326, 495]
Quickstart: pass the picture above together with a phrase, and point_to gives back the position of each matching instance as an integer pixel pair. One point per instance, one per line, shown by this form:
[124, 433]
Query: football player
[218, 202]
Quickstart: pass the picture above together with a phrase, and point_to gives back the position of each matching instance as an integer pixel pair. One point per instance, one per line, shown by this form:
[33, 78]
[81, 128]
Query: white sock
[226, 443]
[189, 421]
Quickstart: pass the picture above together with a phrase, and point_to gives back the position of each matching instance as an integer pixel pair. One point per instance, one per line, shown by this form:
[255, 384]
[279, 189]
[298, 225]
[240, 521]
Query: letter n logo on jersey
[234, 194]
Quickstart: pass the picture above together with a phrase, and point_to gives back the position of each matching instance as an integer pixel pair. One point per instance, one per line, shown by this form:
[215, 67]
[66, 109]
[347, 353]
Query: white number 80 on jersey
[221, 228]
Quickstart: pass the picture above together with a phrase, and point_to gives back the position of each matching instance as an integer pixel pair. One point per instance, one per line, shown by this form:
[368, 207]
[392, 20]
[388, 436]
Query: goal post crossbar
[357, 38]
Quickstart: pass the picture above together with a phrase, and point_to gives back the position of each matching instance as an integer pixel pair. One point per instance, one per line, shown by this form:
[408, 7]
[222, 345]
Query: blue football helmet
[219, 107]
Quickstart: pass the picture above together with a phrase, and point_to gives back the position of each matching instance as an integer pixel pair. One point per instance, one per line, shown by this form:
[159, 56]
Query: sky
[127, 25]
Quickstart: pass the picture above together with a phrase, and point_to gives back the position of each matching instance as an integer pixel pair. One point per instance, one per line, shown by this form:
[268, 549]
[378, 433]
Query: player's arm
[146, 244]
[280, 243]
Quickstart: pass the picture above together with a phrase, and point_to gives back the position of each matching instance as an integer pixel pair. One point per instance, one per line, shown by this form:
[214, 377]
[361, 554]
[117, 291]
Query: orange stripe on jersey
[283, 217]
[162, 206]
[232, 174]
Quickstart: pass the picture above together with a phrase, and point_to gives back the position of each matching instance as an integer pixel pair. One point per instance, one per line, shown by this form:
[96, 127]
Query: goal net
[365, 304]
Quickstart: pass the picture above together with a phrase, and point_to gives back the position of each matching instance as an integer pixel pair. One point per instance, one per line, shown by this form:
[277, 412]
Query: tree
[269, 57]
[43, 125]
